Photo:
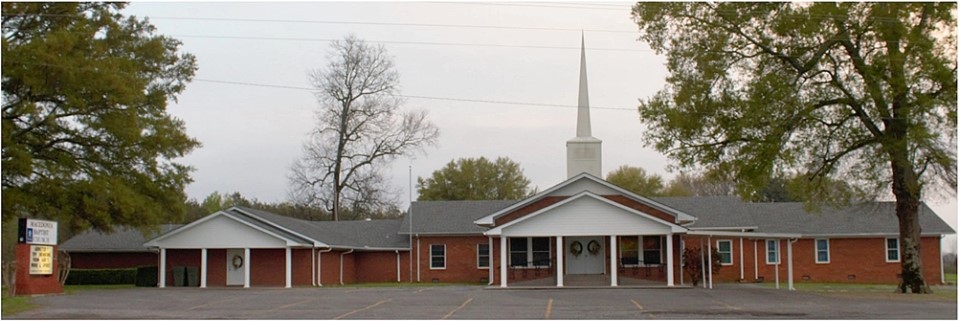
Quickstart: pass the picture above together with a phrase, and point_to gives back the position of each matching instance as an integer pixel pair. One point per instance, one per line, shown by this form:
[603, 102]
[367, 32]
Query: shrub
[692, 265]
[102, 276]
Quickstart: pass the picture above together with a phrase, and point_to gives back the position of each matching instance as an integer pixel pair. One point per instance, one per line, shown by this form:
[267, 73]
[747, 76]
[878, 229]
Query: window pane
[821, 245]
[629, 250]
[518, 244]
[651, 257]
[541, 258]
[651, 243]
[436, 262]
[541, 244]
[436, 250]
[724, 246]
[437, 256]
[483, 255]
[891, 243]
[518, 259]
[822, 256]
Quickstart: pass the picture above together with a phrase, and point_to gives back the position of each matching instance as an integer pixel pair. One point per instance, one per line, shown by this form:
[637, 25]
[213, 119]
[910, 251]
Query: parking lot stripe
[549, 309]
[637, 304]
[293, 304]
[458, 308]
[362, 309]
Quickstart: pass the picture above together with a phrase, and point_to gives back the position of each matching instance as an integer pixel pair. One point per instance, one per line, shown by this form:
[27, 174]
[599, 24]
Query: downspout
[756, 273]
[418, 258]
[398, 265]
[341, 264]
[741, 255]
[320, 266]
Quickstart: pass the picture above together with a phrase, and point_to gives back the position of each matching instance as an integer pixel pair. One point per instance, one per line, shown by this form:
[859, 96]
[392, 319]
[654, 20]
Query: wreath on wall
[576, 248]
[593, 247]
[237, 262]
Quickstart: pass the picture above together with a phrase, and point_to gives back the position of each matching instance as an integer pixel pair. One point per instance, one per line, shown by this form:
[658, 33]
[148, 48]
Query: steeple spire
[583, 106]
[583, 151]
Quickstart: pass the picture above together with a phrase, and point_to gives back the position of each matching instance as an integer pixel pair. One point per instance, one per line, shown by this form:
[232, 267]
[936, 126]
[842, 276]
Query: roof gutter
[746, 234]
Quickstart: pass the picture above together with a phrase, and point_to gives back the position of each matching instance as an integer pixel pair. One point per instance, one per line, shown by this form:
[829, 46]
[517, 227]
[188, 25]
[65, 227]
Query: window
[629, 250]
[651, 250]
[483, 256]
[725, 247]
[529, 251]
[438, 256]
[773, 251]
[823, 250]
[893, 249]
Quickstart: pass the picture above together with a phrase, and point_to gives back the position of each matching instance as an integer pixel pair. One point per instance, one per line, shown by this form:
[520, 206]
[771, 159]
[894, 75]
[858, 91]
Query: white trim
[767, 251]
[730, 252]
[746, 234]
[488, 256]
[886, 249]
[678, 215]
[816, 251]
[444, 255]
[724, 228]
[499, 229]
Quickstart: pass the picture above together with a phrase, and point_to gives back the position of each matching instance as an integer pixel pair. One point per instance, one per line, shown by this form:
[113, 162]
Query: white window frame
[483, 253]
[444, 267]
[530, 252]
[721, 252]
[886, 247]
[775, 249]
[816, 251]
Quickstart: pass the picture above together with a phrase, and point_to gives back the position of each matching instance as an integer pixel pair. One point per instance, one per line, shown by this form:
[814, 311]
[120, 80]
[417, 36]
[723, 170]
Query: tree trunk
[906, 188]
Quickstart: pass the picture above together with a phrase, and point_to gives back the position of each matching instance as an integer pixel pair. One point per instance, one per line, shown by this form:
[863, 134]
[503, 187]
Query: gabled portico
[584, 230]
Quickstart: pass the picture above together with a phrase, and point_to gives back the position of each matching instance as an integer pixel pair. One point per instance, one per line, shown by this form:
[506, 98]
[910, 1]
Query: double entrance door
[584, 255]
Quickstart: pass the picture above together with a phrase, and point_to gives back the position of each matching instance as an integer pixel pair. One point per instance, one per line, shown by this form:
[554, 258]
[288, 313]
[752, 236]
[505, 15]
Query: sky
[497, 78]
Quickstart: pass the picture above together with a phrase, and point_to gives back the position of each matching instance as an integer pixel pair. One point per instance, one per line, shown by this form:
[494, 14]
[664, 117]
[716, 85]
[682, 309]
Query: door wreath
[576, 248]
[593, 247]
[237, 262]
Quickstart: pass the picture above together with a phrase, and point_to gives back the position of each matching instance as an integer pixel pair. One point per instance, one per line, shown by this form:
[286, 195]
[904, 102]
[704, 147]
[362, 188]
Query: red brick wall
[381, 266]
[461, 262]
[861, 258]
[626, 201]
[27, 284]
[216, 267]
[112, 260]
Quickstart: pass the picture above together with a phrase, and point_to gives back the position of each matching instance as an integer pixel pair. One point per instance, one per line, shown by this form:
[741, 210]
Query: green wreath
[576, 248]
[237, 262]
[593, 247]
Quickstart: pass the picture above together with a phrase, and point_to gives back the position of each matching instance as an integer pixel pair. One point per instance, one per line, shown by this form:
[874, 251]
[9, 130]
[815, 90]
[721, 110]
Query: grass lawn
[15, 304]
[68, 289]
[951, 278]
[876, 291]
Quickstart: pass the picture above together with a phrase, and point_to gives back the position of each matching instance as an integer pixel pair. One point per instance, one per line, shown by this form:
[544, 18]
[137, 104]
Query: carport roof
[122, 239]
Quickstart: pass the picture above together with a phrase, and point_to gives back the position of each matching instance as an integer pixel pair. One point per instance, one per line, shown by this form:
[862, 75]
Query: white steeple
[583, 151]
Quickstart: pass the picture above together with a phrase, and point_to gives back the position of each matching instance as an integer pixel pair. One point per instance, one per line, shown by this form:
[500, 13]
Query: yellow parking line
[362, 309]
[549, 309]
[458, 308]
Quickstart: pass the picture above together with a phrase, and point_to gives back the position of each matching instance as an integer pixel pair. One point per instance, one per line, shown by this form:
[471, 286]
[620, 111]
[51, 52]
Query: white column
[613, 260]
[203, 268]
[756, 273]
[703, 266]
[710, 261]
[163, 268]
[559, 261]
[790, 265]
[288, 271]
[943, 280]
[741, 259]
[246, 267]
[669, 259]
[682, 248]
[776, 266]
[490, 257]
[503, 261]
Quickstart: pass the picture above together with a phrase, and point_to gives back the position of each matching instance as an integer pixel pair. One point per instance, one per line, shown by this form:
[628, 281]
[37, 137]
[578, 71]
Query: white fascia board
[865, 235]
[725, 228]
[747, 234]
[680, 216]
[153, 242]
[316, 243]
[499, 229]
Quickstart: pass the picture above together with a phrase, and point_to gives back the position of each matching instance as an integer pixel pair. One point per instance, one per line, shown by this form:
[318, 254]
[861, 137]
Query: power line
[428, 43]
[483, 101]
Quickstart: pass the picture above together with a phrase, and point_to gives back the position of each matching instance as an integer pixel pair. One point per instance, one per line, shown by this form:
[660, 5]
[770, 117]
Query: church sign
[33, 231]
[41, 259]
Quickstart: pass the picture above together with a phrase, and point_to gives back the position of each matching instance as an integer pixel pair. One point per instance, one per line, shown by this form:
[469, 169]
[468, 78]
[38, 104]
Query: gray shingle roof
[450, 217]
[122, 239]
[353, 234]
[867, 218]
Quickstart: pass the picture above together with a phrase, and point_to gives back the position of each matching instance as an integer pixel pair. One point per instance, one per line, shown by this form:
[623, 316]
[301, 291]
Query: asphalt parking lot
[474, 302]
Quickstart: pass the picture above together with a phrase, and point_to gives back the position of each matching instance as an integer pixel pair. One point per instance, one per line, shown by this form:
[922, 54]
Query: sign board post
[37, 258]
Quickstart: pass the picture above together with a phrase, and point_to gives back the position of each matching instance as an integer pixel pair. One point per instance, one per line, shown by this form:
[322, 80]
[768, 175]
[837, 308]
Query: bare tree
[359, 130]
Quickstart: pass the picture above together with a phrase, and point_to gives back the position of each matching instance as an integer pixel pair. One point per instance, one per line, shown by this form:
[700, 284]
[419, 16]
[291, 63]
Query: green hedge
[102, 276]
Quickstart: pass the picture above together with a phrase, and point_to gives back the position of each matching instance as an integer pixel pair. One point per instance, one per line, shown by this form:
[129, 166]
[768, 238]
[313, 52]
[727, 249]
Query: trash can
[178, 275]
[193, 276]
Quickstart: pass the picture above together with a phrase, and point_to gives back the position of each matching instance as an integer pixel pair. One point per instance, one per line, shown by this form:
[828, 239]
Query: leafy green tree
[706, 184]
[864, 93]
[635, 179]
[475, 179]
[87, 140]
